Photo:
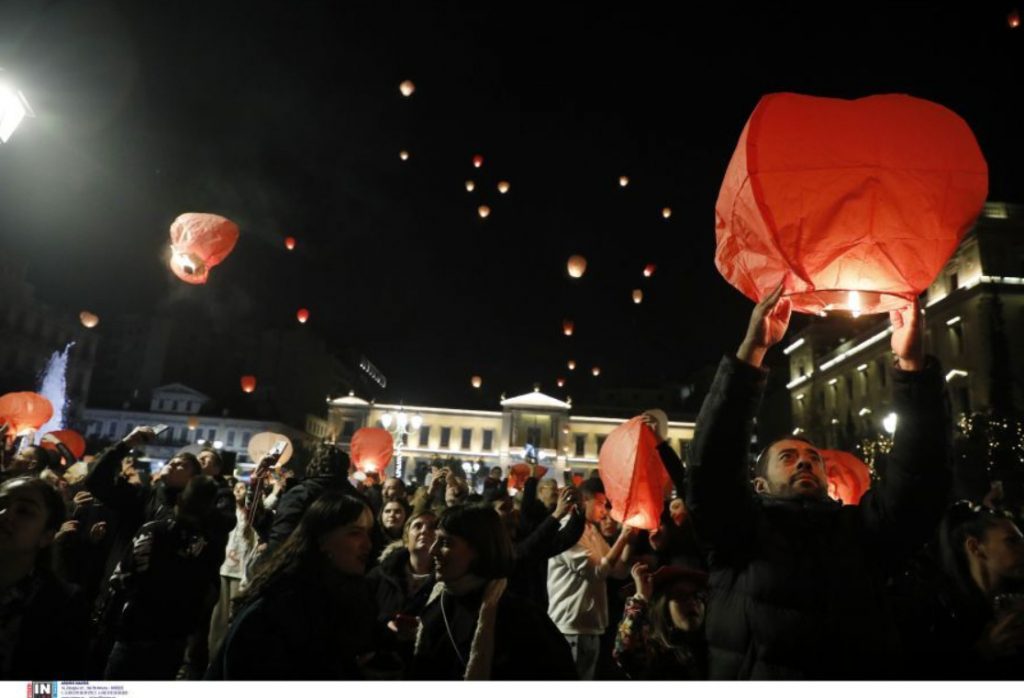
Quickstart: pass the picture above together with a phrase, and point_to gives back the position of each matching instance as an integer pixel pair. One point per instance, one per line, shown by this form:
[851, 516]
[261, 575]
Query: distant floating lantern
[199, 242]
[484, 210]
[638, 296]
[289, 242]
[470, 185]
[666, 213]
[596, 371]
[572, 365]
[561, 382]
[478, 161]
[302, 315]
[477, 381]
[404, 155]
[649, 270]
[407, 87]
[503, 187]
[577, 265]
[193, 423]
[248, 385]
[567, 327]
[1013, 19]
[623, 181]
[88, 320]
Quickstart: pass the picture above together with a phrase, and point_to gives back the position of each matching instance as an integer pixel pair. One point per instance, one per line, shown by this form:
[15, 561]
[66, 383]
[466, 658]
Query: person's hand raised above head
[139, 436]
[643, 580]
[566, 500]
[907, 342]
[768, 324]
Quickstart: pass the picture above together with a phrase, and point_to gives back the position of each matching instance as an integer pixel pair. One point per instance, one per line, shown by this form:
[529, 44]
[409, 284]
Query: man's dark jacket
[796, 585]
[297, 500]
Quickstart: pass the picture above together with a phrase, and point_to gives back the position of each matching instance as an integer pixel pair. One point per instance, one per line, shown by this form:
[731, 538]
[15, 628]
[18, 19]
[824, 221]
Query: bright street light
[13, 109]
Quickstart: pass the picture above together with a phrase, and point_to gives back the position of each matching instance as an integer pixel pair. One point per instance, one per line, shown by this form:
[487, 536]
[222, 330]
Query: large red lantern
[372, 448]
[633, 475]
[853, 205]
[199, 242]
[576, 266]
[567, 327]
[649, 270]
[848, 476]
[478, 161]
[289, 243]
[65, 439]
[24, 412]
[302, 315]
[248, 384]
[518, 473]
[88, 320]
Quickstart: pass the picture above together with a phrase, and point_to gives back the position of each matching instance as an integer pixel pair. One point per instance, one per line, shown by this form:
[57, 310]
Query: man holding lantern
[796, 578]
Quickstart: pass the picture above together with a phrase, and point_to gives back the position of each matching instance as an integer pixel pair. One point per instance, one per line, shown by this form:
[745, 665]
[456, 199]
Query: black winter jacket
[797, 585]
[295, 501]
[388, 585]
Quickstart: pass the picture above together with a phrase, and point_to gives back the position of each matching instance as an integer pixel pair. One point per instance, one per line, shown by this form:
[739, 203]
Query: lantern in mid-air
[403, 155]
[852, 204]
[572, 365]
[88, 320]
[478, 161]
[577, 265]
[199, 242]
[1013, 19]
[372, 448]
[638, 295]
[503, 187]
[567, 327]
[24, 412]
[596, 371]
[248, 384]
[848, 476]
[470, 185]
[477, 381]
[289, 243]
[261, 444]
[623, 181]
[518, 474]
[484, 210]
[561, 382]
[666, 213]
[302, 315]
[407, 87]
[649, 270]
[193, 423]
[633, 476]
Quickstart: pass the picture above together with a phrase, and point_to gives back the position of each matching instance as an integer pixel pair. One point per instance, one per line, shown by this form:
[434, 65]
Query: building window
[348, 428]
[163, 405]
[964, 398]
[212, 436]
[488, 440]
[600, 441]
[467, 436]
[424, 436]
[446, 436]
[957, 338]
[581, 445]
[954, 282]
[111, 429]
[533, 436]
[245, 439]
[183, 435]
[231, 438]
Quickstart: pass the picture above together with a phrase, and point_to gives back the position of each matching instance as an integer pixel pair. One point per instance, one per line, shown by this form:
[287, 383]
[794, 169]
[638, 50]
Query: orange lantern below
[503, 187]
[576, 265]
[596, 371]
[572, 365]
[407, 87]
[638, 295]
[248, 384]
[477, 381]
[193, 423]
[848, 476]
[633, 475]
[567, 327]
[855, 205]
[623, 181]
[470, 185]
[518, 474]
[372, 448]
[199, 242]
[666, 213]
[302, 315]
[561, 382]
[1013, 19]
[403, 155]
[577, 480]
[289, 243]
[25, 412]
[484, 211]
[88, 320]
[65, 439]
[649, 270]
[478, 161]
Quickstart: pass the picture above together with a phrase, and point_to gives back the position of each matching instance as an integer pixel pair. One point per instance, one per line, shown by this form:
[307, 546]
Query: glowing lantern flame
[572, 365]
[666, 213]
[89, 320]
[649, 270]
[193, 423]
[248, 386]
[561, 382]
[289, 242]
[567, 327]
[470, 185]
[577, 265]
[484, 210]
[478, 161]
[302, 315]
[623, 181]
[503, 187]
[854, 303]
[1013, 19]
[404, 155]
[477, 381]
[596, 371]
[407, 87]
[638, 295]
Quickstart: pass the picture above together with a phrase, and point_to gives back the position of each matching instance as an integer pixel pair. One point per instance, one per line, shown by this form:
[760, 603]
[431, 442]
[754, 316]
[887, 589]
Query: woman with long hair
[307, 613]
[472, 628]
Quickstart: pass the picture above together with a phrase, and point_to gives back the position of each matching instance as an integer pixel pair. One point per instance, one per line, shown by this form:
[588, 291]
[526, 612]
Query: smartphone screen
[567, 478]
[160, 429]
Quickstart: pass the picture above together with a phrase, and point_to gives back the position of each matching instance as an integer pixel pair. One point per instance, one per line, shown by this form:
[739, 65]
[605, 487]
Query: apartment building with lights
[840, 381]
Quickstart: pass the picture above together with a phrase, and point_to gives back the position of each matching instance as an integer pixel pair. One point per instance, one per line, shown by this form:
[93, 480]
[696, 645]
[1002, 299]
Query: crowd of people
[306, 572]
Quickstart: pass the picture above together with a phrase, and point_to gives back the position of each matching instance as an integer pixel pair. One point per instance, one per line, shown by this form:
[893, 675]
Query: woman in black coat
[472, 628]
[308, 614]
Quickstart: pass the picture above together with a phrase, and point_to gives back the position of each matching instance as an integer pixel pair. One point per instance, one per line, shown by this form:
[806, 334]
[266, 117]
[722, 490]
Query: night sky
[287, 118]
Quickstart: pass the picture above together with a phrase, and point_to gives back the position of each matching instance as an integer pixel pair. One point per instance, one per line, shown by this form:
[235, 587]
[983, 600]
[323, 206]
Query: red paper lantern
[638, 296]
[576, 265]
[848, 477]
[372, 449]
[302, 315]
[567, 327]
[1013, 19]
[633, 475]
[69, 439]
[483, 210]
[854, 205]
[577, 480]
[571, 365]
[649, 270]
[88, 320]
[478, 161]
[596, 371]
[199, 242]
[477, 381]
[561, 382]
[503, 187]
[518, 473]
[289, 242]
[25, 412]
[248, 384]
[623, 181]
[407, 87]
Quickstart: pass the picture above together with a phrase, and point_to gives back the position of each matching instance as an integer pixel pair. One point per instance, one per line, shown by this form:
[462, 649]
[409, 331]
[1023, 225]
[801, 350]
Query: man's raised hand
[768, 324]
